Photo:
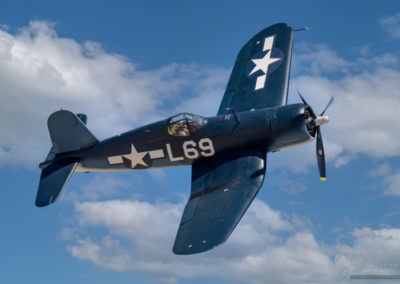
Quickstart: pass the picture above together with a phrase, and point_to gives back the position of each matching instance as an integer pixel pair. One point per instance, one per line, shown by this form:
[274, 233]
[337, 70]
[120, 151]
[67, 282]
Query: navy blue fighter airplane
[227, 152]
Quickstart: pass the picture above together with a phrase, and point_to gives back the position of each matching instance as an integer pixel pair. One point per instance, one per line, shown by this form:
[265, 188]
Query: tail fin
[68, 132]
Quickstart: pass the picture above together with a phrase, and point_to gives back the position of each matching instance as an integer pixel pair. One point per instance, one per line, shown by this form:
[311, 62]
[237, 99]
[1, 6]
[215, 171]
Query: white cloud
[265, 245]
[42, 72]
[108, 254]
[253, 253]
[391, 25]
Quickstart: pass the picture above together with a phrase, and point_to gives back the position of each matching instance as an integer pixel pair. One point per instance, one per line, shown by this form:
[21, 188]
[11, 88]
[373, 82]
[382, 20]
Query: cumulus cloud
[108, 254]
[253, 253]
[266, 245]
[42, 72]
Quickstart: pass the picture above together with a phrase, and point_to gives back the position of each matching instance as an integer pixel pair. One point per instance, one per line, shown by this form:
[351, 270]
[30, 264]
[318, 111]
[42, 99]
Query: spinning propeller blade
[301, 97]
[329, 103]
[315, 123]
[320, 155]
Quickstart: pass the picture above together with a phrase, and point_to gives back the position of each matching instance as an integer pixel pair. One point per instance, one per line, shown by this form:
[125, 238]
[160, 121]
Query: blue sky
[126, 64]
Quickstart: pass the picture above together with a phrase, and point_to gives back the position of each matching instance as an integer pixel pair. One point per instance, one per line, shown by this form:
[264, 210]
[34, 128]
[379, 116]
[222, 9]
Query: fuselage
[177, 142]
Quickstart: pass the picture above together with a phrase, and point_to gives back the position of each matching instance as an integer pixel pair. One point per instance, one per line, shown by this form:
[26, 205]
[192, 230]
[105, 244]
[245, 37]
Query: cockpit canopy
[184, 124]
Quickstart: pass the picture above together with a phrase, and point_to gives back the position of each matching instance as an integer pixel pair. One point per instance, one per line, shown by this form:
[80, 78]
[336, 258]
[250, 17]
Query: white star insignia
[263, 63]
[136, 158]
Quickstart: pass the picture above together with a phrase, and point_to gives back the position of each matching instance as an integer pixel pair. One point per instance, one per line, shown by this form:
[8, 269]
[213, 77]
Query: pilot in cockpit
[179, 128]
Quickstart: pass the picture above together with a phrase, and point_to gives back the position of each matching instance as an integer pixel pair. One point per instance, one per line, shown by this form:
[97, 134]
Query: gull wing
[260, 76]
[223, 187]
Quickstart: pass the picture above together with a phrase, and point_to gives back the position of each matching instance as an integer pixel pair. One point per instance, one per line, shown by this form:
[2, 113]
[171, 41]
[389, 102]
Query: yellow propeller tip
[323, 178]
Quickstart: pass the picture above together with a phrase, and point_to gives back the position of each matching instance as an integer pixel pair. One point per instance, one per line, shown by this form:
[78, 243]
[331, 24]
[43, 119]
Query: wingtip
[42, 203]
[193, 248]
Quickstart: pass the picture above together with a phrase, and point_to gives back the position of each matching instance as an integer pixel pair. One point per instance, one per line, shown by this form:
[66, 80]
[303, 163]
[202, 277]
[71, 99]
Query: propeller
[313, 124]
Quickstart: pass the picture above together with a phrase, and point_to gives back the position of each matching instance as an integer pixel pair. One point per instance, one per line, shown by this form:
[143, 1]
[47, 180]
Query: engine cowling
[291, 127]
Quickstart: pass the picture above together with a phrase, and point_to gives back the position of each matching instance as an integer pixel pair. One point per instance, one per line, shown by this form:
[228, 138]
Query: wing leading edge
[260, 76]
[222, 189]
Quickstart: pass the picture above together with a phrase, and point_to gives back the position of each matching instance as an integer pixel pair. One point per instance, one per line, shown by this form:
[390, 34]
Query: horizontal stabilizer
[68, 132]
[53, 179]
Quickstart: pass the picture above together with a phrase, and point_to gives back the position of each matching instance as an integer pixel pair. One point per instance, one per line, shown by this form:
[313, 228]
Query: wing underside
[260, 76]
[222, 189]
